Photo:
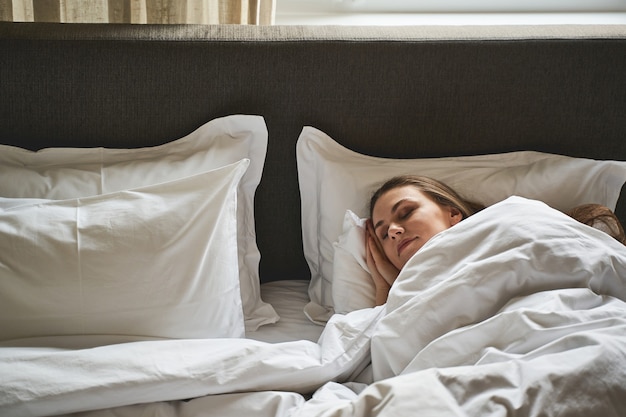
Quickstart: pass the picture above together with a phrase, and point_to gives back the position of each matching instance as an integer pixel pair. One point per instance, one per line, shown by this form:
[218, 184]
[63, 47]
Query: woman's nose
[394, 230]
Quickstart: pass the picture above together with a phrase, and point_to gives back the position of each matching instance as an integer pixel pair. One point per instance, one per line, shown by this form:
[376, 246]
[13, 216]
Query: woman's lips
[403, 244]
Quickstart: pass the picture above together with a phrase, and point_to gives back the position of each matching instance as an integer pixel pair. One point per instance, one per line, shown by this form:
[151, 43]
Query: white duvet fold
[45, 381]
[581, 381]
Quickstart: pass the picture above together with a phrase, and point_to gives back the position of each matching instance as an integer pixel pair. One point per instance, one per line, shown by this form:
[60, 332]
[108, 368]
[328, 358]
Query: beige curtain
[246, 12]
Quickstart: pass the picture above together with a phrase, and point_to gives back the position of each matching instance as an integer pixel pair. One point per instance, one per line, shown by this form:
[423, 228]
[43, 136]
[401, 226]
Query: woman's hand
[383, 272]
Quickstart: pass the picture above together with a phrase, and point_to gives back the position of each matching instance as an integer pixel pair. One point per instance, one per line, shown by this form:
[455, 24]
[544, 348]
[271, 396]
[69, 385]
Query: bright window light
[450, 6]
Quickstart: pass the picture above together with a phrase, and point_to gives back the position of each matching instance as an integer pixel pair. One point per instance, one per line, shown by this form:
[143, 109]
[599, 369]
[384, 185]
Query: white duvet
[518, 310]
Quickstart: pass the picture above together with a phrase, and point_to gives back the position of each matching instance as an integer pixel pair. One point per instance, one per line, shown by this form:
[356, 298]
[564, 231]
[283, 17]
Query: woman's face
[405, 218]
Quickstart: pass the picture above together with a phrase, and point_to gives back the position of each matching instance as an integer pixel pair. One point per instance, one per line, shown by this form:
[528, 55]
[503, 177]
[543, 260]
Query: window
[449, 12]
[449, 6]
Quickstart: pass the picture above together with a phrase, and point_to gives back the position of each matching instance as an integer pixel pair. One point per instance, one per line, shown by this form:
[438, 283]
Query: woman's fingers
[378, 258]
[380, 263]
[372, 233]
[381, 284]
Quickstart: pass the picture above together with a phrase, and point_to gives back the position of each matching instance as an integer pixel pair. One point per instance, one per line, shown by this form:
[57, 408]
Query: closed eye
[406, 213]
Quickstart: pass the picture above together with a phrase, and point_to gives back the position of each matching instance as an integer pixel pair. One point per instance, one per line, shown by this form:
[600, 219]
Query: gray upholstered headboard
[386, 91]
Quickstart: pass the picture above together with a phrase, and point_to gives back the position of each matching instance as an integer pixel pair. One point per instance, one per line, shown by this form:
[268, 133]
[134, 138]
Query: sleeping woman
[406, 211]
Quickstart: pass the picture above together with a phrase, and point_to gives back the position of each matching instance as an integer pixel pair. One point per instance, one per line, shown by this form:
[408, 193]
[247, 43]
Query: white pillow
[333, 179]
[155, 261]
[62, 173]
[352, 286]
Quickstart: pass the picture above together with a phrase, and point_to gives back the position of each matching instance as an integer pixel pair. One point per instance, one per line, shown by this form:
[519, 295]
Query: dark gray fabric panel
[409, 98]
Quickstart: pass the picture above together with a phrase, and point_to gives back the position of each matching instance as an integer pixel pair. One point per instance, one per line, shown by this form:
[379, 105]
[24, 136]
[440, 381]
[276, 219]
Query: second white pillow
[154, 262]
[333, 179]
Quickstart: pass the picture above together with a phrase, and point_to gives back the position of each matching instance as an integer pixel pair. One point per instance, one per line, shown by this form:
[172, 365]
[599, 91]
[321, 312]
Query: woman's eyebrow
[393, 210]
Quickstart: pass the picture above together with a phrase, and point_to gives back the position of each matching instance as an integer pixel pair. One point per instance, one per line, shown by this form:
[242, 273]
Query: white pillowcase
[352, 287]
[155, 261]
[63, 173]
[333, 179]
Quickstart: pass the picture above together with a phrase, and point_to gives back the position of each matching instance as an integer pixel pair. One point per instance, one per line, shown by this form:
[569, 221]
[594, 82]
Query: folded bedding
[517, 310]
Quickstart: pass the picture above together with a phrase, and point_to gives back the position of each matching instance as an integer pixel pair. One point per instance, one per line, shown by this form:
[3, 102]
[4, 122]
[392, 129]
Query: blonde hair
[441, 193]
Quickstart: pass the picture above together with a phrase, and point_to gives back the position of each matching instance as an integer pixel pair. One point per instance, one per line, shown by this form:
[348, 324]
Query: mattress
[288, 298]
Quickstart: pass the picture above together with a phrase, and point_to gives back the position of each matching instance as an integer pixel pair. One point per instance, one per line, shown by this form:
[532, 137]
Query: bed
[182, 212]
